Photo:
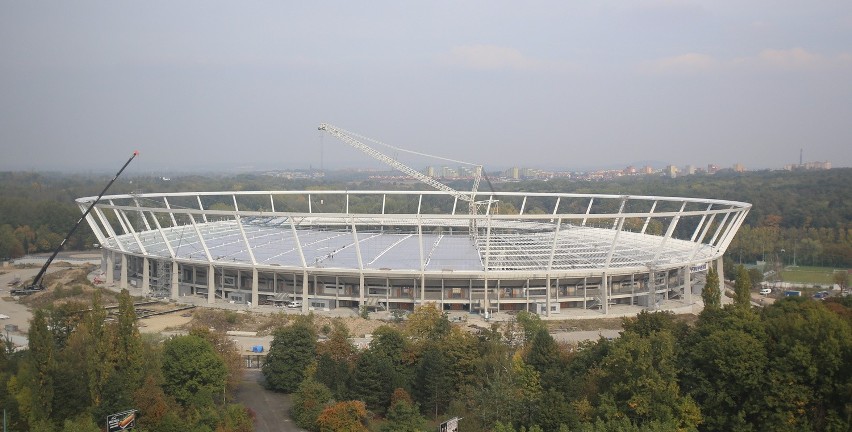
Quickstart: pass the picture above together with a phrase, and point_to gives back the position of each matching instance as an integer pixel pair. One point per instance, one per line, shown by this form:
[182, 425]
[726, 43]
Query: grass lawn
[810, 275]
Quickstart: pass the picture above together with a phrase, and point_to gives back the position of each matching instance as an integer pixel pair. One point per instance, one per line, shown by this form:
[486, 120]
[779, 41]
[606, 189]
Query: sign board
[698, 268]
[451, 425]
[121, 421]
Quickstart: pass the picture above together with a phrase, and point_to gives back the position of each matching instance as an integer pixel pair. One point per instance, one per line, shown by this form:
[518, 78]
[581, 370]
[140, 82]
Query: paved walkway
[272, 409]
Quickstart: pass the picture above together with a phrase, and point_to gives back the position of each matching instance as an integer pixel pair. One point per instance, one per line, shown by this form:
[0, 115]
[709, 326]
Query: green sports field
[809, 275]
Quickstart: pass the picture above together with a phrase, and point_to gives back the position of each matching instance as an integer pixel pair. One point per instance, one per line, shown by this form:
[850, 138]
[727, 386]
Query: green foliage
[41, 347]
[293, 348]
[433, 383]
[309, 401]
[742, 288]
[192, 371]
[403, 414]
[711, 295]
[372, 381]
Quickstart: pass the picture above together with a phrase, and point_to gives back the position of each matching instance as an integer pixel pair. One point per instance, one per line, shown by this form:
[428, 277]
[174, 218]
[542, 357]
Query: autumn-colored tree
[349, 416]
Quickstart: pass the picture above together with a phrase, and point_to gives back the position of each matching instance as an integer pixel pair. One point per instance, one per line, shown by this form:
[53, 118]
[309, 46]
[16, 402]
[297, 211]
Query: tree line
[781, 368]
[81, 366]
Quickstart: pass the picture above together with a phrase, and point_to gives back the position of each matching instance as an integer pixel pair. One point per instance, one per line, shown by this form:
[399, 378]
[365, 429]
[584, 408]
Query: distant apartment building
[689, 169]
[647, 169]
[712, 168]
[808, 166]
[738, 167]
[670, 171]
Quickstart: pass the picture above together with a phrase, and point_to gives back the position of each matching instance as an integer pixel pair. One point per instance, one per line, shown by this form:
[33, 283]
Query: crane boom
[348, 138]
[36, 285]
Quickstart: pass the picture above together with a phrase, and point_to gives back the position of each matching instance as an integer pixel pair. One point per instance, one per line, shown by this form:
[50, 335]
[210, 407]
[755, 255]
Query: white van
[766, 291]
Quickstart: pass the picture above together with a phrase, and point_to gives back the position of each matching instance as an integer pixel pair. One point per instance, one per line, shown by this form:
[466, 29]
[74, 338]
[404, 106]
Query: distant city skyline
[199, 86]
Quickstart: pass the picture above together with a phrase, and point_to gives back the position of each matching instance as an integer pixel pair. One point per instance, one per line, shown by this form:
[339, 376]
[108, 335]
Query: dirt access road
[271, 408]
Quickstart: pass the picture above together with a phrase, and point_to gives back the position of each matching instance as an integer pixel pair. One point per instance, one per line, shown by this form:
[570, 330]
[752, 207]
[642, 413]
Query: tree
[711, 294]
[98, 352]
[372, 381]
[841, 278]
[433, 383]
[293, 348]
[192, 371]
[227, 350]
[403, 414]
[742, 288]
[127, 346]
[309, 401]
[43, 362]
[638, 380]
[350, 416]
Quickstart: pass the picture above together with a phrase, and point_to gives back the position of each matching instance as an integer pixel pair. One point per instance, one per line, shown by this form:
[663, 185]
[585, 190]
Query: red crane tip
[136, 153]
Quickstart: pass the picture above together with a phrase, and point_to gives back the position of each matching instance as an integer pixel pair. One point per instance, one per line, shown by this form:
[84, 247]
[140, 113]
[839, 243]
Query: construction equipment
[37, 281]
[352, 139]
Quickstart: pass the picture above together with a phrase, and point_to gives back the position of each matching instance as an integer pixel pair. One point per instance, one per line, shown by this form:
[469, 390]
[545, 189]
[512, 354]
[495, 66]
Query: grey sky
[570, 84]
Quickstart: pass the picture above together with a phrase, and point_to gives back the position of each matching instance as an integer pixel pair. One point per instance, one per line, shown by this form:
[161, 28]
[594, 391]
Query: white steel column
[687, 284]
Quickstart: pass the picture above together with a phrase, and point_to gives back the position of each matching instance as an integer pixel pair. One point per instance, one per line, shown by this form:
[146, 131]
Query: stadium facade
[550, 253]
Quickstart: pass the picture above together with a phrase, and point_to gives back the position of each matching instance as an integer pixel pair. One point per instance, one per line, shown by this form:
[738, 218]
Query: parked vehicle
[294, 304]
[766, 291]
[821, 295]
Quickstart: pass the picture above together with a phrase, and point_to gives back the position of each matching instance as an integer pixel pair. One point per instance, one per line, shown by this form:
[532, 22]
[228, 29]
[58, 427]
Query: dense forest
[781, 368]
[804, 214]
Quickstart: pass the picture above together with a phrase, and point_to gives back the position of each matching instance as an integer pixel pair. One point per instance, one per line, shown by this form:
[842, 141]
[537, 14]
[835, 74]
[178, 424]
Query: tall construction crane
[353, 140]
[37, 281]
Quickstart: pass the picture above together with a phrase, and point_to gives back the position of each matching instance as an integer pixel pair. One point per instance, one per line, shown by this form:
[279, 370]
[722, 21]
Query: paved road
[270, 407]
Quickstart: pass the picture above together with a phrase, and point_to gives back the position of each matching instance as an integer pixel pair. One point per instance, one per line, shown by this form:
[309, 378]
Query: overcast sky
[554, 84]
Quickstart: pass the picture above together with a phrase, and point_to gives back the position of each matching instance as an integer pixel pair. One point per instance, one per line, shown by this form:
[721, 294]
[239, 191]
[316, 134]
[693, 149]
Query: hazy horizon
[199, 86]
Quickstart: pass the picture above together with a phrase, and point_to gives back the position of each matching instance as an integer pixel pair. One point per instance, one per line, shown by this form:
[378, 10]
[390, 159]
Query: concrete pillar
[123, 283]
[211, 284]
[146, 277]
[305, 301]
[604, 293]
[687, 284]
[547, 302]
[175, 294]
[255, 295]
[110, 267]
[361, 290]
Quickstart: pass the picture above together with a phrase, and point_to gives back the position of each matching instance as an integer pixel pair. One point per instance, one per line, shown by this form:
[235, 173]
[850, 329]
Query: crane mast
[350, 138]
[37, 281]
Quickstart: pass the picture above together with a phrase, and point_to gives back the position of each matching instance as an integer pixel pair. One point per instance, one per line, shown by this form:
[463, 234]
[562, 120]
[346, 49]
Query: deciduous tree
[293, 348]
